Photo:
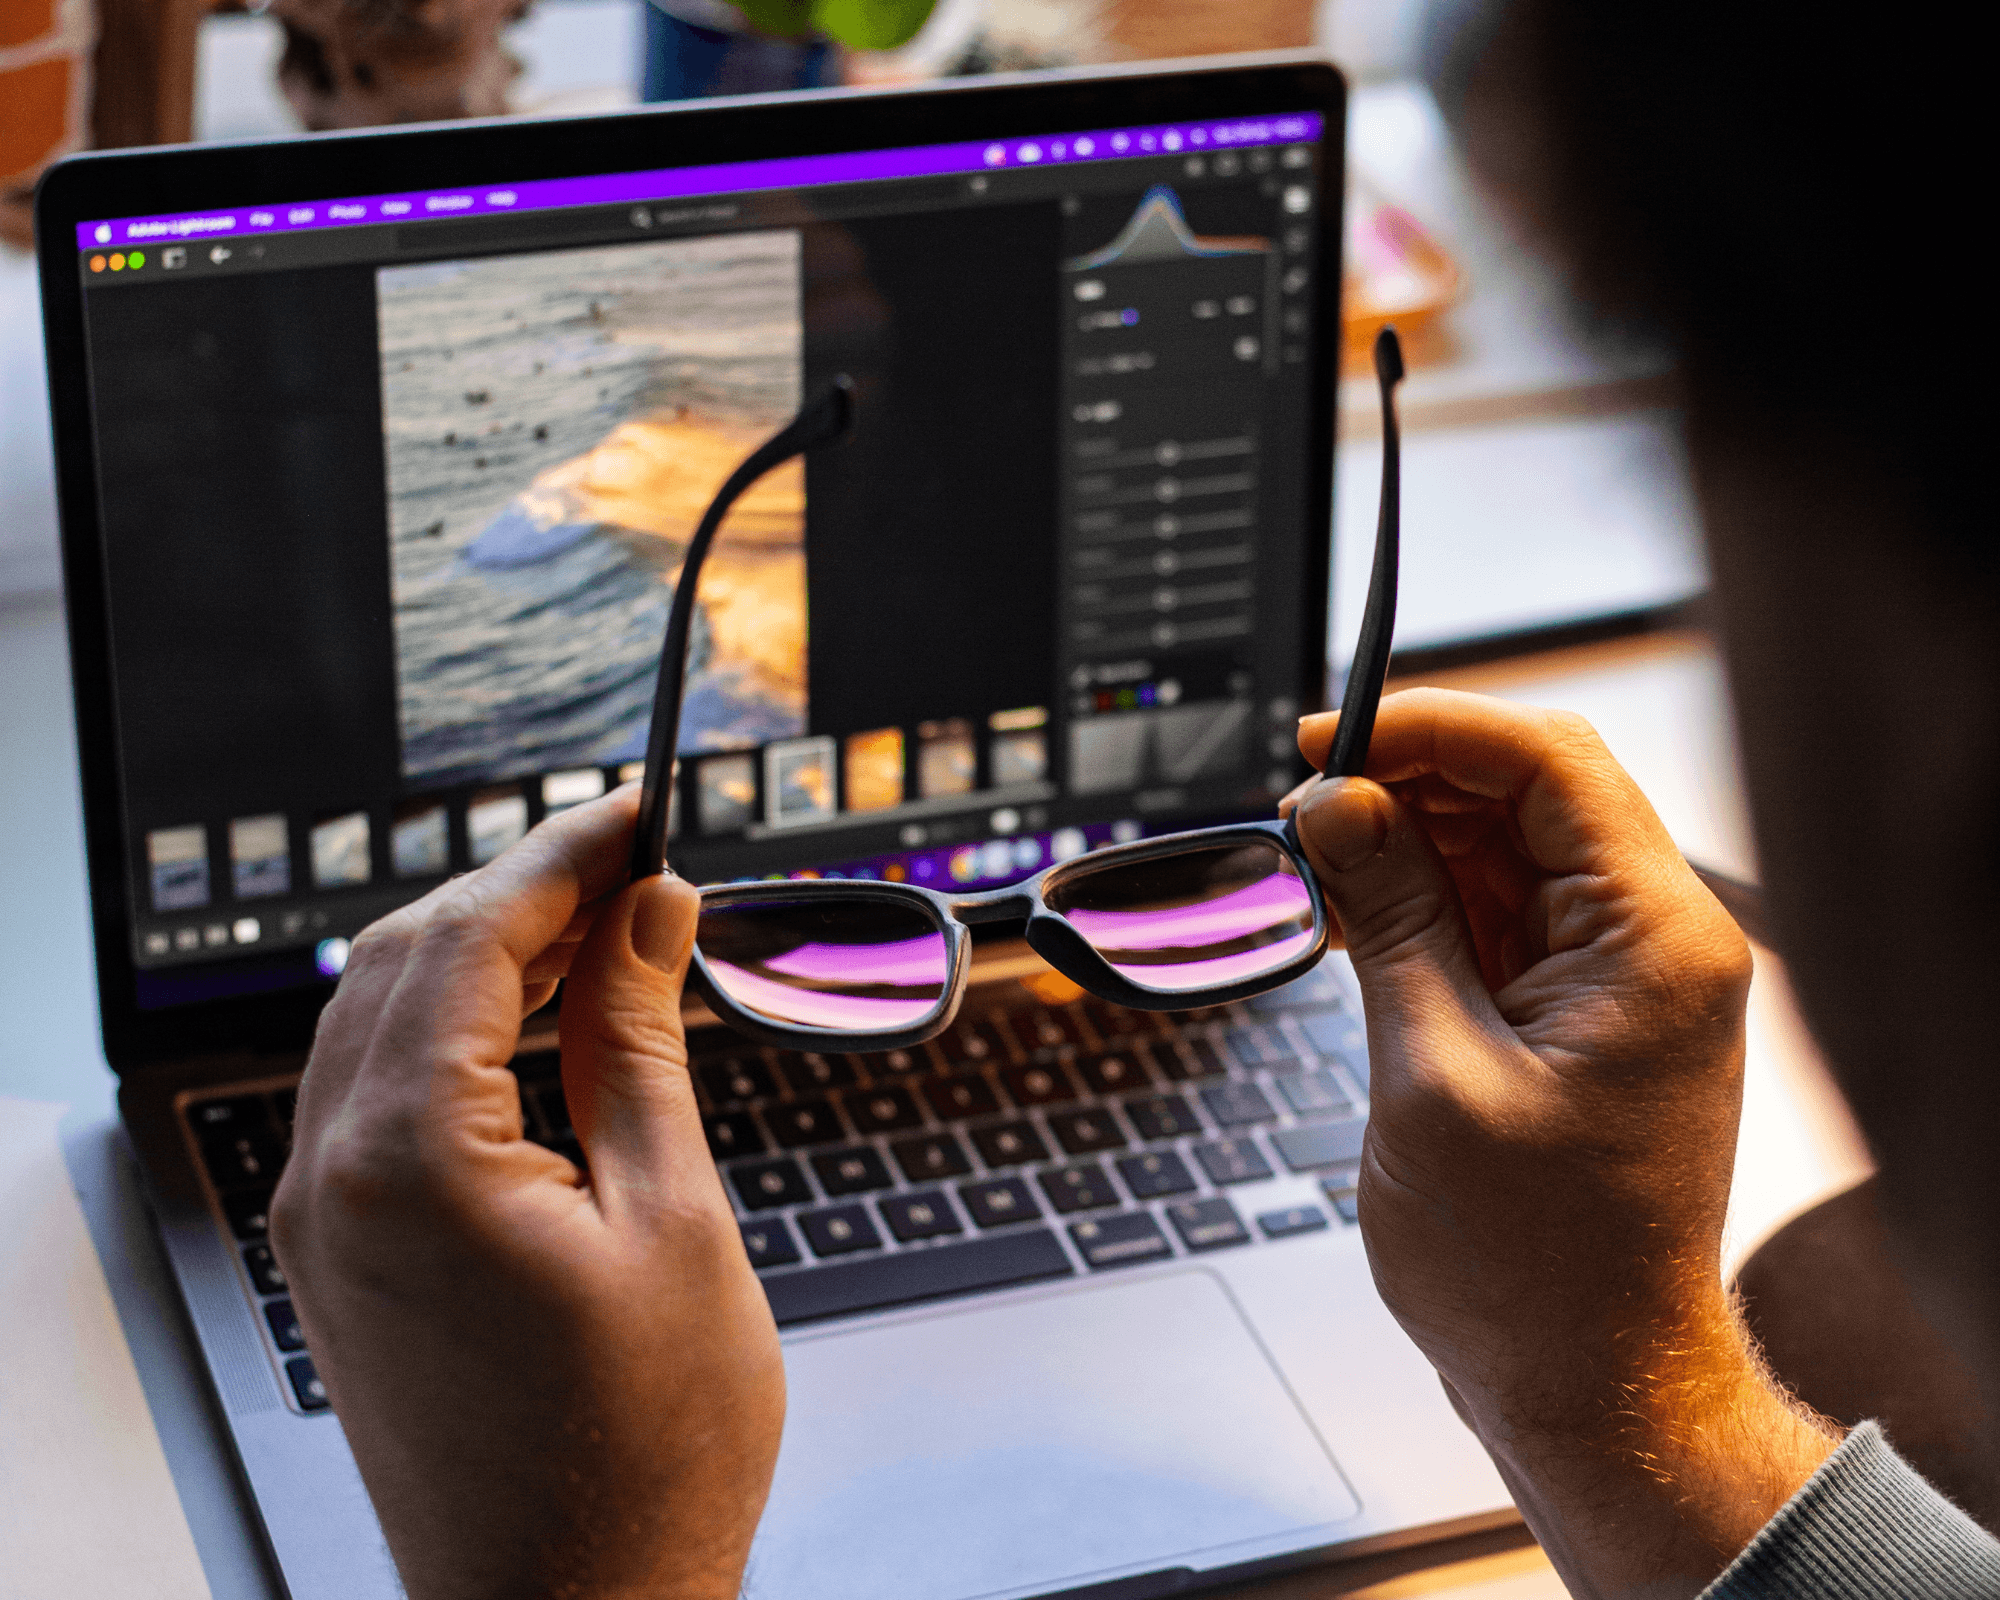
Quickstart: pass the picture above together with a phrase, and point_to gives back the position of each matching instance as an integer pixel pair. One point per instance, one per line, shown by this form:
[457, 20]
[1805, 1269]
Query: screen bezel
[331, 166]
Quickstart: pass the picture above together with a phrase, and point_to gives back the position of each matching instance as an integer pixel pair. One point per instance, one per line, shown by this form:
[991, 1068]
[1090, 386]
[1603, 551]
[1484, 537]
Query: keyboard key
[851, 1171]
[1318, 987]
[1232, 1161]
[555, 1110]
[799, 1123]
[1341, 1192]
[769, 1243]
[1042, 1084]
[239, 1113]
[764, 1184]
[1081, 1133]
[970, 1044]
[1083, 1187]
[1307, 1092]
[810, 1072]
[249, 1213]
[967, 1095]
[284, 1323]
[929, 1156]
[1116, 1022]
[898, 1062]
[1044, 1028]
[265, 1272]
[1248, 1047]
[1208, 1224]
[998, 1201]
[889, 1110]
[1233, 1105]
[840, 1230]
[1337, 1036]
[306, 1384]
[1321, 1144]
[1197, 1057]
[1293, 1219]
[1165, 1116]
[1155, 1173]
[871, 1283]
[1008, 1144]
[1120, 1241]
[241, 1156]
[1117, 1074]
[735, 1079]
[925, 1215]
[733, 1133]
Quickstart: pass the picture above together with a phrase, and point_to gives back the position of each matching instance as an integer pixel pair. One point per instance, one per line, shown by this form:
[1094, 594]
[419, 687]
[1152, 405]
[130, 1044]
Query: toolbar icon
[103, 234]
[173, 257]
[219, 253]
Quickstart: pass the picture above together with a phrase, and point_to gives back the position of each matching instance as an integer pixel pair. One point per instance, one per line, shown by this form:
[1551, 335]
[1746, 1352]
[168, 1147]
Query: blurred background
[1544, 495]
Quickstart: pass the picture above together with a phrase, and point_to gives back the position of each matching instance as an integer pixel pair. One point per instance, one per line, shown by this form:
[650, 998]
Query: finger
[459, 964]
[1421, 980]
[624, 1054]
[1576, 808]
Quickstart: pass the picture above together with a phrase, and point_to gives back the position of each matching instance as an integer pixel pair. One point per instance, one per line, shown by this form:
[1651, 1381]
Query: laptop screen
[394, 491]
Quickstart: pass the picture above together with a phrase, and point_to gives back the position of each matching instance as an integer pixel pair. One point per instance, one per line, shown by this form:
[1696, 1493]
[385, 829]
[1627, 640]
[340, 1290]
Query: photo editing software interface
[395, 492]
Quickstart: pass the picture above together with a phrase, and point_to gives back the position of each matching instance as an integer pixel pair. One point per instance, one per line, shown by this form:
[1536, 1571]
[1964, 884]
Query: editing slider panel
[1168, 367]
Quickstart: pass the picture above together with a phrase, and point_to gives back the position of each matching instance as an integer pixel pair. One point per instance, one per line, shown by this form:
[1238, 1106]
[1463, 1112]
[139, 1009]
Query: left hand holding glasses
[551, 1386]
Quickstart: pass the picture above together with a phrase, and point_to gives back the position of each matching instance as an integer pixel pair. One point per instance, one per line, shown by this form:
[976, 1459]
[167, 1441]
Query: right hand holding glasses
[1555, 1016]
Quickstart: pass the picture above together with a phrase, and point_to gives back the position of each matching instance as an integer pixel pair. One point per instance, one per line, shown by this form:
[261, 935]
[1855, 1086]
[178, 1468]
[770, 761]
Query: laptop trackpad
[1036, 1444]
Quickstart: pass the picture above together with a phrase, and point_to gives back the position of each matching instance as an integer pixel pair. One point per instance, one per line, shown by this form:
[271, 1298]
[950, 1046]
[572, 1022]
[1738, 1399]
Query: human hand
[1555, 1011]
[553, 1383]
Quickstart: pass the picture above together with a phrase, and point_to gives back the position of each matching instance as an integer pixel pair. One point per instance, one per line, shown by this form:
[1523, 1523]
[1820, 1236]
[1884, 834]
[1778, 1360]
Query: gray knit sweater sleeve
[1865, 1527]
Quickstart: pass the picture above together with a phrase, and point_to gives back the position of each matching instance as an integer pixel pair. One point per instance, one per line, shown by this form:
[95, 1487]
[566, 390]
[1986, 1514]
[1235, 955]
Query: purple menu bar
[680, 183]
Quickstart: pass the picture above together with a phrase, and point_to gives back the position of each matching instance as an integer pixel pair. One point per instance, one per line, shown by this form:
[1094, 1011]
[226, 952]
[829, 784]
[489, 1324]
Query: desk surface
[1659, 704]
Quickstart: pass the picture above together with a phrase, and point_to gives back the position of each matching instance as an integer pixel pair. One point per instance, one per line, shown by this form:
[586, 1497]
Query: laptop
[377, 453]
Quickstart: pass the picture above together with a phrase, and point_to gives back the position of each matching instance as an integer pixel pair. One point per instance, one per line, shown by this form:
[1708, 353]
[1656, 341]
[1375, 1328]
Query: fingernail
[1345, 821]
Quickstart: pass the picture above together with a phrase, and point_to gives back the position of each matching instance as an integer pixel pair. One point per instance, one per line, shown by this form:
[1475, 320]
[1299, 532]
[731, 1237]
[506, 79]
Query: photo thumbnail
[561, 790]
[873, 769]
[1020, 749]
[725, 794]
[420, 839]
[494, 819]
[555, 426]
[340, 851]
[798, 781]
[260, 857]
[178, 858]
[947, 763]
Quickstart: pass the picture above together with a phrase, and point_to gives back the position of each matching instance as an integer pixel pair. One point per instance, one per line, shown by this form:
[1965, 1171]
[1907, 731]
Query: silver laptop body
[1118, 1337]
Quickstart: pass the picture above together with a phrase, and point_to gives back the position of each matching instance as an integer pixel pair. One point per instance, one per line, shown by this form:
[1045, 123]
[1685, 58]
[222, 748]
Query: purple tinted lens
[864, 965]
[1195, 920]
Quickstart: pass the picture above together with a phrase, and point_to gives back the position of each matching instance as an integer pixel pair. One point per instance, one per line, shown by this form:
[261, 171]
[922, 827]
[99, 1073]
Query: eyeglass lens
[1193, 920]
[859, 964]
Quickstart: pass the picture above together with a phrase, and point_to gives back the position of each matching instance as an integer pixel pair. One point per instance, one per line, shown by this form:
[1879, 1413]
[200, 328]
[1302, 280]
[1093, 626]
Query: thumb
[1399, 912]
[624, 1050]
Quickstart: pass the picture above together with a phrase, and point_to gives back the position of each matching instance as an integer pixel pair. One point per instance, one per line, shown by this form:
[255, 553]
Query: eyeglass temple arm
[823, 421]
[1378, 623]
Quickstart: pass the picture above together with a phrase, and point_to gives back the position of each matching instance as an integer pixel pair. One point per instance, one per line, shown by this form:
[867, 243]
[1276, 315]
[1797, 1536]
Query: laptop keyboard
[1029, 1142]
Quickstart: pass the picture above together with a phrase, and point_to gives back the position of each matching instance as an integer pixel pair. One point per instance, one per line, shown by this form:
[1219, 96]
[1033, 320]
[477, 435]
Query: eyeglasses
[1189, 919]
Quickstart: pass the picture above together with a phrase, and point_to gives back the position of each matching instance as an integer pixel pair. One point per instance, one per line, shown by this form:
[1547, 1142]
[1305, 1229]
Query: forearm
[1685, 1459]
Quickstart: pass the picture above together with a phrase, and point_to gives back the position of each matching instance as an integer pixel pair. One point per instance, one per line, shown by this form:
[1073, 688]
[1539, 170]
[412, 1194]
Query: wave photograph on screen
[555, 424]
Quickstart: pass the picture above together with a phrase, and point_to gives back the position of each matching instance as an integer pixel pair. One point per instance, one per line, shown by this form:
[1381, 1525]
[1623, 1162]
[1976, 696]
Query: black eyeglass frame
[828, 420]
[1049, 934]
